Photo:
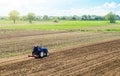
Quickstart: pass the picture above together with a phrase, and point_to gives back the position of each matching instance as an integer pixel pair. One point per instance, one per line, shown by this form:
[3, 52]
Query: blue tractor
[39, 52]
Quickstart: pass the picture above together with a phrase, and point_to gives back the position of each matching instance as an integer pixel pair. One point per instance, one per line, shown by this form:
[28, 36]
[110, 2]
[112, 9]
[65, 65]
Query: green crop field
[62, 25]
[11, 22]
[113, 29]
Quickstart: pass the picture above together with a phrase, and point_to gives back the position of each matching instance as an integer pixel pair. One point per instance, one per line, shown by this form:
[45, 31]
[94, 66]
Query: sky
[60, 7]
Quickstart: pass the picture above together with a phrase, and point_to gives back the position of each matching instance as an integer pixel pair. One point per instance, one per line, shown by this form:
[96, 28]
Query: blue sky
[60, 7]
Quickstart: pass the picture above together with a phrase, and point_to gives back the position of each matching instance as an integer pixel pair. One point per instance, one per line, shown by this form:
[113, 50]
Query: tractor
[39, 52]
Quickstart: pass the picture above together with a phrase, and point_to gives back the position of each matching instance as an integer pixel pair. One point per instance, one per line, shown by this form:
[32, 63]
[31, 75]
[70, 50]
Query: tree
[38, 18]
[31, 17]
[23, 18]
[3, 18]
[112, 17]
[84, 17]
[14, 15]
[55, 19]
[45, 17]
[117, 17]
[75, 17]
[88, 17]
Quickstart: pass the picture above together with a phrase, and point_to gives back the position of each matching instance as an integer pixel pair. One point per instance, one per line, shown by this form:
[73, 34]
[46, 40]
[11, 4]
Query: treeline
[75, 17]
[14, 15]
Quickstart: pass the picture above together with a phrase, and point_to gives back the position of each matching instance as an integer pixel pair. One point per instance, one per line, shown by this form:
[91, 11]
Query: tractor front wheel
[47, 54]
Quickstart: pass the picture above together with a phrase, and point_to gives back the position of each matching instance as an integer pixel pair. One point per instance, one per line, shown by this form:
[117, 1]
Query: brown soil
[14, 33]
[22, 45]
[91, 60]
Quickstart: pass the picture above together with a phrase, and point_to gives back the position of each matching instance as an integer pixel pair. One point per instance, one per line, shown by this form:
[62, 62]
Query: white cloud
[110, 5]
[118, 5]
[42, 7]
[98, 10]
[23, 6]
[82, 11]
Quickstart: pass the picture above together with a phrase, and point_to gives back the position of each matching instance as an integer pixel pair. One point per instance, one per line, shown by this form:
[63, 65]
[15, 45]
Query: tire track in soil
[84, 57]
[64, 66]
[94, 70]
[81, 65]
[29, 66]
[114, 72]
[103, 68]
[16, 35]
[59, 58]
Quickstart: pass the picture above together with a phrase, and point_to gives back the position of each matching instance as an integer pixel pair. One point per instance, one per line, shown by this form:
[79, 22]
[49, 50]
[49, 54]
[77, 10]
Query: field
[77, 48]
[64, 25]
[91, 60]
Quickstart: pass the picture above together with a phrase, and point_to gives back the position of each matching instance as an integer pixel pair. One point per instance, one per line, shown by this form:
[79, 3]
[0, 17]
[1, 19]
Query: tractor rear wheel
[41, 54]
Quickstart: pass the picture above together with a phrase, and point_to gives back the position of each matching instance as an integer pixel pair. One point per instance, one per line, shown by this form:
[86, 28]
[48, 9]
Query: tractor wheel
[41, 54]
[47, 54]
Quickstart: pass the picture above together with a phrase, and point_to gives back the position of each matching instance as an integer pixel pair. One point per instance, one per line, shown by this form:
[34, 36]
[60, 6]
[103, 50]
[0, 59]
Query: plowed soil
[101, 59]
